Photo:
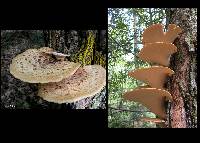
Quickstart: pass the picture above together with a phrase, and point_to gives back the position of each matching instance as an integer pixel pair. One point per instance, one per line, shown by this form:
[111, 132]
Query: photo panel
[149, 67]
[54, 65]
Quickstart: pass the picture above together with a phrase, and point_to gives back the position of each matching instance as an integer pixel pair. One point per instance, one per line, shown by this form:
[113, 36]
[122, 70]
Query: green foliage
[125, 27]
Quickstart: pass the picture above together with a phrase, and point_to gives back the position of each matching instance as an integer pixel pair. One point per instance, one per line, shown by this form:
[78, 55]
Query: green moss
[85, 54]
[100, 59]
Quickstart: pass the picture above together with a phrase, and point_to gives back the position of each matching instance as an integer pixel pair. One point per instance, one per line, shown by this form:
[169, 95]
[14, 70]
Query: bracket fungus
[60, 81]
[152, 98]
[154, 76]
[34, 66]
[85, 82]
[157, 53]
[58, 56]
[155, 33]
[157, 49]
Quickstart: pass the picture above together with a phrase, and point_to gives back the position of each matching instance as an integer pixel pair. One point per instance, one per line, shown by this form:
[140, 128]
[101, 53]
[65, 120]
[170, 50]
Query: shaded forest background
[125, 28]
[87, 47]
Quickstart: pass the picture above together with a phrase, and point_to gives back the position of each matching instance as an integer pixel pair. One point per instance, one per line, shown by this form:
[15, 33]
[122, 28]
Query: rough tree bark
[87, 47]
[183, 84]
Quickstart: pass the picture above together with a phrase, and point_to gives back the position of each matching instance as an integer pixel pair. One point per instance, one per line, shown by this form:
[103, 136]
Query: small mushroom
[34, 66]
[59, 56]
[154, 76]
[155, 33]
[152, 98]
[157, 53]
[45, 49]
[85, 82]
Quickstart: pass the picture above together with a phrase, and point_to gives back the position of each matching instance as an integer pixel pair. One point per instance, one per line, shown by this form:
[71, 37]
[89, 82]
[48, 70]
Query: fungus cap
[154, 76]
[34, 66]
[152, 98]
[157, 53]
[85, 82]
[172, 33]
[155, 33]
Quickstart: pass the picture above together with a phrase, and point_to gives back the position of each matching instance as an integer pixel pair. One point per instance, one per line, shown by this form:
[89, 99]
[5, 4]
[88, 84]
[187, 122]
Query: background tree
[183, 85]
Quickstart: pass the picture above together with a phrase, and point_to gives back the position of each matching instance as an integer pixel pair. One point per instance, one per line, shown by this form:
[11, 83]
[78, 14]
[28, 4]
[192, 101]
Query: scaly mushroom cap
[35, 66]
[152, 98]
[157, 53]
[154, 76]
[85, 82]
[155, 33]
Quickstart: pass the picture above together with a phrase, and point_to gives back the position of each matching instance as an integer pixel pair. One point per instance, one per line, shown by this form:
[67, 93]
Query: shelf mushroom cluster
[157, 49]
[61, 81]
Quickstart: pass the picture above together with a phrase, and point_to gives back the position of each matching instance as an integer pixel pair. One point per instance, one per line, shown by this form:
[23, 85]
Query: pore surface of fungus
[35, 66]
[155, 33]
[157, 53]
[152, 98]
[85, 82]
[154, 76]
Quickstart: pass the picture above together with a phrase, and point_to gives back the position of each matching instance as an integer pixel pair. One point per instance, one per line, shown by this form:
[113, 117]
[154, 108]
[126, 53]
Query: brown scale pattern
[85, 82]
[35, 66]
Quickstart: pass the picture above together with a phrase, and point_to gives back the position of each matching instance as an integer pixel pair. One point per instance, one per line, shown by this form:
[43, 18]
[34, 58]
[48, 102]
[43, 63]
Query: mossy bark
[182, 85]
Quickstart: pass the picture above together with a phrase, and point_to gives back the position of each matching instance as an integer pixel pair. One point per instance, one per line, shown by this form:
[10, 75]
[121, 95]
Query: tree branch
[126, 110]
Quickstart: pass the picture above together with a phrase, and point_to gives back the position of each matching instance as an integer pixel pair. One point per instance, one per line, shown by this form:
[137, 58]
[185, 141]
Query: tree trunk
[182, 85]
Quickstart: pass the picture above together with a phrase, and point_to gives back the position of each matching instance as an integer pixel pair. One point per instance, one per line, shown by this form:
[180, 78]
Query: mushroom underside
[154, 76]
[85, 82]
[152, 98]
